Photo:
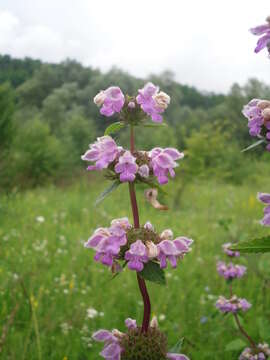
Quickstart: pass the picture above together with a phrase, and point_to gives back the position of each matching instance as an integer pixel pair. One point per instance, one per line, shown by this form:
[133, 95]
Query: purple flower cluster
[265, 198]
[108, 241]
[103, 152]
[153, 102]
[232, 305]
[258, 114]
[113, 346]
[163, 162]
[262, 353]
[264, 40]
[158, 162]
[110, 246]
[150, 100]
[229, 252]
[112, 100]
[230, 271]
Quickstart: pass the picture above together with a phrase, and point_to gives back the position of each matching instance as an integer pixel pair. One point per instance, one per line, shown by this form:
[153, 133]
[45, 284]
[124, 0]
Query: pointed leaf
[261, 245]
[153, 272]
[177, 347]
[257, 143]
[113, 128]
[107, 192]
[235, 345]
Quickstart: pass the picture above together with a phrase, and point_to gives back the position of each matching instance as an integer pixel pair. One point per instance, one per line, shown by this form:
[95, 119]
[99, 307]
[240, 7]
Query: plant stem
[136, 221]
[242, 330]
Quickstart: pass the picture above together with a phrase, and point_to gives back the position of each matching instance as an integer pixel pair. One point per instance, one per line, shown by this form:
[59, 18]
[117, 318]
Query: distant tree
[6, 115]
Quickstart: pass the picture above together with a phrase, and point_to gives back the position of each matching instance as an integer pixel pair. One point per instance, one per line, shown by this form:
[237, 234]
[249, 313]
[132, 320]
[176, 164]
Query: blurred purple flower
[232, 305]
[137, 256]
[264, 40]
[127, 167]
[230, 271]
[265, 198]
[102, 152]
[163, 162]
[231, 253]
[262, 353]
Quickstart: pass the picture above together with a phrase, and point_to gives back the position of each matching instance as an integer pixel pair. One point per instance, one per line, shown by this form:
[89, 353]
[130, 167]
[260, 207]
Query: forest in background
[48, 119]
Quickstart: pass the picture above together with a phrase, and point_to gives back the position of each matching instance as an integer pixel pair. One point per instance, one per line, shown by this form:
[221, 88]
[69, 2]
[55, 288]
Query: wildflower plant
[238, 306]
[257, 111]
[139, 248]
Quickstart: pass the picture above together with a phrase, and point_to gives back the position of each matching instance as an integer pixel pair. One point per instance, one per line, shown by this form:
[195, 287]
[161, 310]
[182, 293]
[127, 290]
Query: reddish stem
[136, 220]
[242, 330]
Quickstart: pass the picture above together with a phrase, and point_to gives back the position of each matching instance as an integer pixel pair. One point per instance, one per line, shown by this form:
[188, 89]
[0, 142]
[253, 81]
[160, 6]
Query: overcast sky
[206, 43]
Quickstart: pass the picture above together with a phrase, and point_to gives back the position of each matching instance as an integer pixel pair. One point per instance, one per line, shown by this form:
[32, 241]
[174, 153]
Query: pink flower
[137, 256]
[102, 152]
[264, 40]
[127, 167]
[173, 250]
[163, 162]
[112, 100]
[112, 349]
[152, 102]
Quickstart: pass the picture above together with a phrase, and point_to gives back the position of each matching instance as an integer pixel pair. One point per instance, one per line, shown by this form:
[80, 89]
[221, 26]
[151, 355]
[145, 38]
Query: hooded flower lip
[102, 152]
[233, 305]
[112, 100]
[230, 271]
[137, 256]
[127, 167]
[264, 40]
[152, 102]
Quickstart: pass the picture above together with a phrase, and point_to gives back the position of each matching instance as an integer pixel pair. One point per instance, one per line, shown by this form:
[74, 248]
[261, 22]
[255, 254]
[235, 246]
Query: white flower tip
[154, 322]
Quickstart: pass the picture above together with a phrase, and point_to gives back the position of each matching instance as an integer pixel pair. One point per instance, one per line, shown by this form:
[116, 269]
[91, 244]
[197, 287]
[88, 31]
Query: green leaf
[257, 143]
[235, 345]
[153, 272]
[154, 125]
[177, 347]
[261, 245]
[113, 128]
[107, 192]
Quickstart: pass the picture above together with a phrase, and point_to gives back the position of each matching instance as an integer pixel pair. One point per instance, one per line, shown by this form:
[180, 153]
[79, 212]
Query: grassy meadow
[53, 296]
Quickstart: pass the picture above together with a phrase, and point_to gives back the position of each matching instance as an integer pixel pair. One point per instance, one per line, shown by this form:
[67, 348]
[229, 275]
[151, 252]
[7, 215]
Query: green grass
[48, 279]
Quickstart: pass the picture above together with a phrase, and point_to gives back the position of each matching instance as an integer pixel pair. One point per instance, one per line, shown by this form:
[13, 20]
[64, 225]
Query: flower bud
[149, 226]
[152, 249]
[118, 334]
[99, 98]
[154, 322]
[162, 100]
[263, 104]
[266, 114]
[131, 105]
[167, 234]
